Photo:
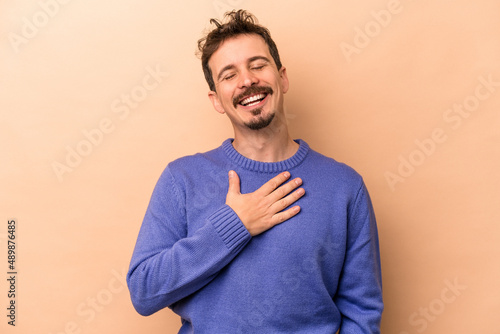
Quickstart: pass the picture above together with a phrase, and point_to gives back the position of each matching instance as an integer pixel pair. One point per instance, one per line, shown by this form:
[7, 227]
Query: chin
[261, 122]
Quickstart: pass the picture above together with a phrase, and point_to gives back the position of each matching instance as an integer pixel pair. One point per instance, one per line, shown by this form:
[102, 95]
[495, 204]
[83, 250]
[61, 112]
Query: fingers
[285, 189]
[273, 183]
[267, 206]
[234, 183]
[291, 198]
[285, 215]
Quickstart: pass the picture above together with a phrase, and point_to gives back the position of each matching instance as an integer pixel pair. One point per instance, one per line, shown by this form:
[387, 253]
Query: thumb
[234, 183]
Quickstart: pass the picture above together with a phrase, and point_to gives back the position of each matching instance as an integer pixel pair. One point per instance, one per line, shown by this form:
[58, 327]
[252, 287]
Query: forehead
[237, 50]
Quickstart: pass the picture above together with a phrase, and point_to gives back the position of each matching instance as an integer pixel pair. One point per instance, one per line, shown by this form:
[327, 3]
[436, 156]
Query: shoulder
[195, 164]
[331, 169]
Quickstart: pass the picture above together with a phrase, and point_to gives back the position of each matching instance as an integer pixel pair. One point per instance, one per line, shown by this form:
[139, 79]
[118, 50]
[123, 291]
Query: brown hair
[239, 22]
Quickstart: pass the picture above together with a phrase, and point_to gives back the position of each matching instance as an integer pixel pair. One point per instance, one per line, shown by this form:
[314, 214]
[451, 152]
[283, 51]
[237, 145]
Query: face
[249, 87]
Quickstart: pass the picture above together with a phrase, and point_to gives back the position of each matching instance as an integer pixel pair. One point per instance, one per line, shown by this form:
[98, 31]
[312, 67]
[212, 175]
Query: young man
[263, 234]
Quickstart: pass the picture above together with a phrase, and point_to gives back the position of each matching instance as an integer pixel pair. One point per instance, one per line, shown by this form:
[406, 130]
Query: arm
[168, 265]
[359, 296]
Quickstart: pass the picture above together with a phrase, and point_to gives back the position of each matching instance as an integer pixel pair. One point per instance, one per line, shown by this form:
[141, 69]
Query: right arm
[167, 265]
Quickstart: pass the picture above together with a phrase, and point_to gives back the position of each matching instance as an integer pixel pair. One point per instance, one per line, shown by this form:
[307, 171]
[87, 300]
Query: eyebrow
[231, 66]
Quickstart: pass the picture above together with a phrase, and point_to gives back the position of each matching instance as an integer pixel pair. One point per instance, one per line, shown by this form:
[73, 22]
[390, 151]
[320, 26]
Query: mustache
[252, 90]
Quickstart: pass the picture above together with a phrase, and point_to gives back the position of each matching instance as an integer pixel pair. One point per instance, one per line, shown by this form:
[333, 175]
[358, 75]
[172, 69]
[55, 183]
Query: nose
[247, 79]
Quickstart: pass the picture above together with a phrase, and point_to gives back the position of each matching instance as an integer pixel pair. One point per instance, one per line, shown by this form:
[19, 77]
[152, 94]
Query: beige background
[377, 84]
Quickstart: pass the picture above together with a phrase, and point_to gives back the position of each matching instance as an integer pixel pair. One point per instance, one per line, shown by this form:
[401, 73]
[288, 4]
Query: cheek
[227, 101]
[226, 96]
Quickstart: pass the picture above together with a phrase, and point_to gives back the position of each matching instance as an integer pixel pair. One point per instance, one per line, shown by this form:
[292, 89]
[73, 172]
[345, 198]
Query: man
[231, 241]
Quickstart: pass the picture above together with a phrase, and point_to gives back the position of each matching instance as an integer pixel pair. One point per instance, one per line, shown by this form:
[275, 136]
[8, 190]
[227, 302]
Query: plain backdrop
[96, 97]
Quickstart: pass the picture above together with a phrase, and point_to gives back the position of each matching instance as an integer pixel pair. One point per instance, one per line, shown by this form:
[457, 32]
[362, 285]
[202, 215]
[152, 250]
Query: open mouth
[252, 96]
[252, 100]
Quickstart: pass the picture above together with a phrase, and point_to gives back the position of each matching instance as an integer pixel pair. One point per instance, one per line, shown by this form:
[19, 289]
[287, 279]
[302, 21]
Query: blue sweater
[314, 273]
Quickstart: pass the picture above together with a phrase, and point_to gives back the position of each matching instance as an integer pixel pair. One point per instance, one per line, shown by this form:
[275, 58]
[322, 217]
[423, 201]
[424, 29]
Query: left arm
[359, 294]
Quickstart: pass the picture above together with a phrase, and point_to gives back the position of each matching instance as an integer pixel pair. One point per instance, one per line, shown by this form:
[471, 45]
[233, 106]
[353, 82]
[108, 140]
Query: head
[242, 67]
[237, 23]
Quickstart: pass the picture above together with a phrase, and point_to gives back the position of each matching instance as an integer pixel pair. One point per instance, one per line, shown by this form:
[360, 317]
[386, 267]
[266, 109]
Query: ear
[216, 102]
[284, 79]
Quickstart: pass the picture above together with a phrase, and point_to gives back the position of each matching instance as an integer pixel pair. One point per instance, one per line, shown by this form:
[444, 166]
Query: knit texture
[317, 272]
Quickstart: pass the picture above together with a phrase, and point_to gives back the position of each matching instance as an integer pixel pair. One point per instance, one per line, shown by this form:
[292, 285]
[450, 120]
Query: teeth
[252, 104]
[252, 99]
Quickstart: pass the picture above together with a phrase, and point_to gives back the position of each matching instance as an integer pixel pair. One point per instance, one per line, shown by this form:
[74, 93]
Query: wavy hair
[237, 22]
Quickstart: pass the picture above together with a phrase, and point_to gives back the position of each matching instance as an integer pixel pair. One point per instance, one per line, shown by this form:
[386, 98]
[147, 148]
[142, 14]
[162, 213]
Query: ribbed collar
[265, 167]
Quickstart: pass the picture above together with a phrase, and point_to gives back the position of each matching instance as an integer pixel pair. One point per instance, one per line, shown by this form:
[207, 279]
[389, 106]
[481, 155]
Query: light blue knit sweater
[315, 273]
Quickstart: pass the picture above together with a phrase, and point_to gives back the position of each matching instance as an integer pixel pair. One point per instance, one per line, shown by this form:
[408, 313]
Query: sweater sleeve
[168, 264]
[359, 295]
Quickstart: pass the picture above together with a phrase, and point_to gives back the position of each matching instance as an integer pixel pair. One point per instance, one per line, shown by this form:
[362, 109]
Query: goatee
[261, 122]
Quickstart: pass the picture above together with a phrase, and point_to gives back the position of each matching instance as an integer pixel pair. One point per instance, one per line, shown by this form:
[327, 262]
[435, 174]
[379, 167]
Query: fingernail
[298, 182]
[301, 191]
[231, 173]
[286, 174]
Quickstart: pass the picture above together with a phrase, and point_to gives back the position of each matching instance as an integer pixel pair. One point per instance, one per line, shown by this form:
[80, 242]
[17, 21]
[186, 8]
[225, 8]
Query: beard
[261, 121]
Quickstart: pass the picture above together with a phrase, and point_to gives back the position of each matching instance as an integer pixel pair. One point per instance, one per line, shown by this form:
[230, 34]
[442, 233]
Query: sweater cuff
[230, 228]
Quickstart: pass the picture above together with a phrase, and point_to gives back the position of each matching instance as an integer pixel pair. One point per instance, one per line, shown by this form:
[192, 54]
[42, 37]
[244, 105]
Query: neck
[271, 144]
